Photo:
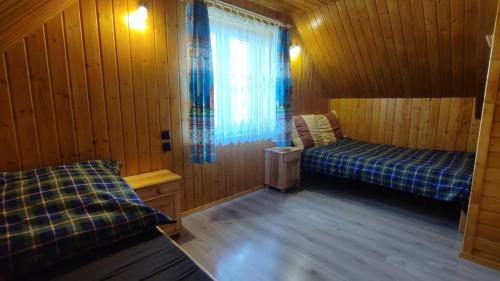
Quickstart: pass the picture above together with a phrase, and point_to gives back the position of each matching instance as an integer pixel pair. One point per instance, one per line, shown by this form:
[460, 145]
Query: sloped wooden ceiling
[19, 17]
[396, 48]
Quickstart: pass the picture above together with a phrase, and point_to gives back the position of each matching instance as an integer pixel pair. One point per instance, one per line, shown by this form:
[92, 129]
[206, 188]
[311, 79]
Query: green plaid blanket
[436, 174]
[51, 214]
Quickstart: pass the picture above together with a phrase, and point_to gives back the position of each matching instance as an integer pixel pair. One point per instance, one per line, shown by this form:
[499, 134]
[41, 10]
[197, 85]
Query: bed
[147, 256]
[434, 174]
[83, 221]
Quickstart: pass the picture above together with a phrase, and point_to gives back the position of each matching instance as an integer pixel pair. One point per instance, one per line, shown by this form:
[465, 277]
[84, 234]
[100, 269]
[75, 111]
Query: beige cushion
[329, 127]
[305, 133]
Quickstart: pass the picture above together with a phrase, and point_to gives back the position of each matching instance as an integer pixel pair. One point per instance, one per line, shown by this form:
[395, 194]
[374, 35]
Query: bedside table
[282, 167]
[160, 190]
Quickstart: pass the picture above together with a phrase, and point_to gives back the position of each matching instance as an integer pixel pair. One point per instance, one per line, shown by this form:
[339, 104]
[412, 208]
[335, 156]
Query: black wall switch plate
[166, 147]
[165, 135]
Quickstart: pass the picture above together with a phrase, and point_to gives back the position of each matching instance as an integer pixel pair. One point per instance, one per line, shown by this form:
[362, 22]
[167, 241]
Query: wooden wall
[426, 123]
[482, 233]
[82, 86]
[396, 48]
[309, 93]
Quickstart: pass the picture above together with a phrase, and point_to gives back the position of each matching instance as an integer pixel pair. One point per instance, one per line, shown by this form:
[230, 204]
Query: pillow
[54, 213]
[329, 127]
[305, 133]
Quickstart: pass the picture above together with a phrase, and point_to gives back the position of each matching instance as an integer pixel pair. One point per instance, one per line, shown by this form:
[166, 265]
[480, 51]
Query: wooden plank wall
[309, 94]
[82, 86]
[396, 48]
[482, 233]
[426, 123]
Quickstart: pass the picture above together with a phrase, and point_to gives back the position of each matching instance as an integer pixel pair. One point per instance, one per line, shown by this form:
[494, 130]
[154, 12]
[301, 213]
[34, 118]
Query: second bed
[435, 174]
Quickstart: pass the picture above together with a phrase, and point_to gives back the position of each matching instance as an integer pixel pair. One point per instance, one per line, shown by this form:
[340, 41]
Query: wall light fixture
[137, 20]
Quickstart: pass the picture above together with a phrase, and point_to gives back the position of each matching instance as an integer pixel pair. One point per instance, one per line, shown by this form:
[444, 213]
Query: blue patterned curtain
[284, 108]
[201, 83]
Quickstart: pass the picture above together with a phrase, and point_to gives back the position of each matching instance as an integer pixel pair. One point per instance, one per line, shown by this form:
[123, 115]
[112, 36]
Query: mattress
[148, 256]
[441, 175]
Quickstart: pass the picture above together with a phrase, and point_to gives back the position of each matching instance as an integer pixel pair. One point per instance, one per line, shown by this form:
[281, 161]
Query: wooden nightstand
[282, 167]
[160, 190]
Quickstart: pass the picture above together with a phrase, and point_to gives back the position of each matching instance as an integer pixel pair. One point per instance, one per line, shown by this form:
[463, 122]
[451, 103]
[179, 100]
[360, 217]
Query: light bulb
[142, 13]
[137, 20]
[294, 51]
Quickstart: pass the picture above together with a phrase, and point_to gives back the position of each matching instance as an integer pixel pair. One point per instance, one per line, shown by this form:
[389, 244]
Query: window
[244, 54]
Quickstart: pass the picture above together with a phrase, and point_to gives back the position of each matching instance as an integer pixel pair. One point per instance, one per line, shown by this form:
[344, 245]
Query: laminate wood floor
[329, 232]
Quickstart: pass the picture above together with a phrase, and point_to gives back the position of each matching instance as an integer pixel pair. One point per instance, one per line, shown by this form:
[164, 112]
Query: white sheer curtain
[245, 72]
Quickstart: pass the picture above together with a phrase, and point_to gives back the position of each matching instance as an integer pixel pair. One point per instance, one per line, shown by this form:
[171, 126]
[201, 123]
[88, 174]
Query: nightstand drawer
[160, 190]
[165, 204]
[291, 156]
[152, 192]
[168, 204]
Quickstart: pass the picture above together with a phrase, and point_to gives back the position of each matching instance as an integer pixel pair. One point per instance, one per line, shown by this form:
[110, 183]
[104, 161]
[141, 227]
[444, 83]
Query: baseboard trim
[215, 203]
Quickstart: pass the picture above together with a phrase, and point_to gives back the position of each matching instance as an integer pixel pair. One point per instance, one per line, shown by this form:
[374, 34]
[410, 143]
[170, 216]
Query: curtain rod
[235, 9]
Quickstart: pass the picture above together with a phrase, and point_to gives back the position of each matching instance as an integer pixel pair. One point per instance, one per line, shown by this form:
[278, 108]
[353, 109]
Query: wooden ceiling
[362, 48]
[293, 6]
[19, 17]
[396, 48]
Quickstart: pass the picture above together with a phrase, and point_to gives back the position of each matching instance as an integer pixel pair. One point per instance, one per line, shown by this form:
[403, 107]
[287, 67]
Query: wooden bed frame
[187, 254]
[463, 221]
[3, 276]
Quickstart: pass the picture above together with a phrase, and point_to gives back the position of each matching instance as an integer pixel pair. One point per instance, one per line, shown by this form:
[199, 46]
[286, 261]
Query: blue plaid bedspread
[48, 215]
[436, 174]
